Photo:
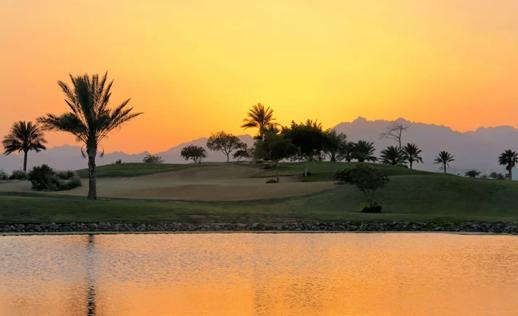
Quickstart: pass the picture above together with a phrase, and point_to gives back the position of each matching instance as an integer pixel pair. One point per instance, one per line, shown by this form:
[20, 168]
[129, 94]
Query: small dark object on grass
[272, 181]
[372, 209]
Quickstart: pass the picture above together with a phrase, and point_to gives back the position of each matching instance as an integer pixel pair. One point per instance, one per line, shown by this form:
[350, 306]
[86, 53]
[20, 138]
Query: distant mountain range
[477, 149]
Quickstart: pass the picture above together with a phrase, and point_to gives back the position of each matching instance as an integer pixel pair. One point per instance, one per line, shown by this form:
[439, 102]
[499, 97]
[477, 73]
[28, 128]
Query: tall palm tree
[364, 151]
[392, 155]
[508, 159]
[444, 158]
[412, 153]
[24, 137]
[89, 119]
[261, 117]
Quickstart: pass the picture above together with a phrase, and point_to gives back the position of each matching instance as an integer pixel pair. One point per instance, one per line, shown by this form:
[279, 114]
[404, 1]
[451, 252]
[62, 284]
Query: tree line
[90, 119]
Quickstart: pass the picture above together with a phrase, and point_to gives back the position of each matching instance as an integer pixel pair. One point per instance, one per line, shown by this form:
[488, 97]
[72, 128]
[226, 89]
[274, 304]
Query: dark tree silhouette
[472, 173]
[224, 142]
[243, 152]
[274, 147]
[308, 137]
[333, 143]
[152, 159]
[364, 151]
[444, 158]
[346, 151]
[412, 154]
[193, 152]
[90, 119]
[508, 159]
[24, 137]
[395, 132]
[367, 180]
[392, 155]
[261, 117]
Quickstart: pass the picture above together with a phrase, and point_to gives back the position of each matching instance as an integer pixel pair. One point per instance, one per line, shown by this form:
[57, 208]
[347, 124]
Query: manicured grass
[325, 171]
[132, 169]
[421, 198]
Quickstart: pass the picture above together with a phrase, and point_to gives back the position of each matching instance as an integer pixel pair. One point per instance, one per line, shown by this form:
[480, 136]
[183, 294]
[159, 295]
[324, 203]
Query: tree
[24, 137]
[90, 119]
[274, 147]
[346, 152]
[152, 159]
[363, 151]
[193, 152]
[444, 158]
[243, 152]
[496, 176]
[333, 143]
[224, 142]
[367, 180]
[395, 132]
[472, 173]
[412, 154]
[261, 117]
[392, 155]
[508, 159]
[308, 138]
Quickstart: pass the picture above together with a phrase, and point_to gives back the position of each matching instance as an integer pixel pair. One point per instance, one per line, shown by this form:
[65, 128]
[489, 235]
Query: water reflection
[90, 277]
[259, 274]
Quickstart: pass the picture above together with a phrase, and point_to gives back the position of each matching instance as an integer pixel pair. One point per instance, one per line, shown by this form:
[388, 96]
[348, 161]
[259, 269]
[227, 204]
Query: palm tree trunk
[25, 153]
[510, 174]
[444, 167]
[92, 181]
[411, 163]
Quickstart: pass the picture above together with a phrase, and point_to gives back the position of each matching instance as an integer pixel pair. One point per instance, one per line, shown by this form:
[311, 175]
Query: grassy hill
[409, 196]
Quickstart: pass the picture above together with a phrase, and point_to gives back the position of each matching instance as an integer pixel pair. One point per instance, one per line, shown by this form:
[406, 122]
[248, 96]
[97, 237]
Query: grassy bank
[414, 197]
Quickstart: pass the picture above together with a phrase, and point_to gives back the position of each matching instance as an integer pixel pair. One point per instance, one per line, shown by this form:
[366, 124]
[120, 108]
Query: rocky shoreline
[347, 226]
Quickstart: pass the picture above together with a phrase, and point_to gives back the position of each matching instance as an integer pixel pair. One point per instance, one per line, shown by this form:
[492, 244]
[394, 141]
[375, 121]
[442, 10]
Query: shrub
[3, 175]
[367, 180]
[472, 173]
[152, 159]
[44, 178]
[118, 162]
[18, 175]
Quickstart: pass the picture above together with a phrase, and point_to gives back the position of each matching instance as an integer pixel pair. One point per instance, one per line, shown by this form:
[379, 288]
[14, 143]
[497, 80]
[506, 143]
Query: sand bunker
[201, 183]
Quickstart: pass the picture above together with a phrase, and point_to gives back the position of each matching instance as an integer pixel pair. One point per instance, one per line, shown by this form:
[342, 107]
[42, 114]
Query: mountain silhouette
[478, 149]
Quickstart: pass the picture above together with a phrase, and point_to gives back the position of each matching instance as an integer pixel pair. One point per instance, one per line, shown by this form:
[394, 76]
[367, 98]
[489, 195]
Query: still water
[259, 274]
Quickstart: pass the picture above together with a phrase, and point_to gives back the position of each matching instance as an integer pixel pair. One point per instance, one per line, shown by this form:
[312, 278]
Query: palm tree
[24, 137]
[392, 155]
[412, 153]
[508, 159]
[89, 119]
[444, 158]
[364, 151]
[261, 117]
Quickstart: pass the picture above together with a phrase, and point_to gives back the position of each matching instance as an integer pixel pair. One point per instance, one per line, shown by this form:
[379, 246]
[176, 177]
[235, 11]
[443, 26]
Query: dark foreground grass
[417, 198]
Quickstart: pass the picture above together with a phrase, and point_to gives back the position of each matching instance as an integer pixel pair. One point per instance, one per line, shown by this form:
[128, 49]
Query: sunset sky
[195, 67]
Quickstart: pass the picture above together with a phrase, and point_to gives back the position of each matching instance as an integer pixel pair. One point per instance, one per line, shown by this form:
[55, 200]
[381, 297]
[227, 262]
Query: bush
[118, 162]
[152, 159]
[367, 180]
[44, 178]
[3, 175]
[372, 209]
[18, 175]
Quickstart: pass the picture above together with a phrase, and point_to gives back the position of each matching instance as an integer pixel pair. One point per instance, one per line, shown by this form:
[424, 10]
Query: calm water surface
[259, 274]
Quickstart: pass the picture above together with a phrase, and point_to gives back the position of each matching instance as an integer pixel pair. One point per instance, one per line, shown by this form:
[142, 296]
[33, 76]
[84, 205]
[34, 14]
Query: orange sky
[196, 66]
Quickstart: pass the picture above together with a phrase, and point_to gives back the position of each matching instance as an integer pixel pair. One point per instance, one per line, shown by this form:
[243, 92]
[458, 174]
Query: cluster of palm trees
[89, 119]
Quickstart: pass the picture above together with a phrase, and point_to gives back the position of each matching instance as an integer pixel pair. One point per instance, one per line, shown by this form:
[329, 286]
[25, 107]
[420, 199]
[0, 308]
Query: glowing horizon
[196, 67]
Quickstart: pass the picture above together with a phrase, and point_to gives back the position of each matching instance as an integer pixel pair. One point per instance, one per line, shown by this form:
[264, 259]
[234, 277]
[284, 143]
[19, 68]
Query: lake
[259, 274]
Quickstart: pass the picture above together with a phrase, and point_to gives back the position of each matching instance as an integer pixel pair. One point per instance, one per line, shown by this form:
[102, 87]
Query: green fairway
[414, 196]
[325, 171]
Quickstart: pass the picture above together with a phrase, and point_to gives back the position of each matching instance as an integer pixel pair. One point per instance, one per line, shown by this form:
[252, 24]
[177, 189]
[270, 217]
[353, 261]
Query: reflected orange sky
[195, 67]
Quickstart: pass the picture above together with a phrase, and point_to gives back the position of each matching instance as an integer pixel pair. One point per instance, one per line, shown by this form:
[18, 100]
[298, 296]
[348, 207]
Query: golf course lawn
[409, 196]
